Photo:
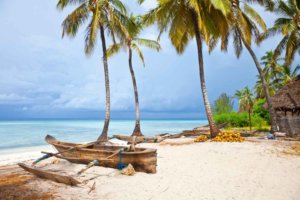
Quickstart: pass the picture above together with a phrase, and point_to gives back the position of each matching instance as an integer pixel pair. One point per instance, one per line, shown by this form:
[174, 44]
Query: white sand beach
[251, 170]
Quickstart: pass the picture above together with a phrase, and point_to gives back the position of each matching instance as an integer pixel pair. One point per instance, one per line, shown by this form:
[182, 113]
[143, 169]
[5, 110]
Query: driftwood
[201, 130]
[92, 164]
[50, 175]
[93, 187]
[140, 139]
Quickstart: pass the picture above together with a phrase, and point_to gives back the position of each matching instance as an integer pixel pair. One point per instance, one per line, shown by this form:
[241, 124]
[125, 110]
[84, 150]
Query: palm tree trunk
[265, 86]
[103, 136]
[250, 121]
[214, 130]
[137, 129]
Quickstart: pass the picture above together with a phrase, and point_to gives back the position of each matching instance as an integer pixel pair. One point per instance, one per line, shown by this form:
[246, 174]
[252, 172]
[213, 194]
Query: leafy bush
[239, 119]
[260, 111]
[258, 122]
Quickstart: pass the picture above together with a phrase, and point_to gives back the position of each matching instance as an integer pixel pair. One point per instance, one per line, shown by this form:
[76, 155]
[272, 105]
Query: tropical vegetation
[245, 23]
[288, 24]
[209, 22]
[276, 73]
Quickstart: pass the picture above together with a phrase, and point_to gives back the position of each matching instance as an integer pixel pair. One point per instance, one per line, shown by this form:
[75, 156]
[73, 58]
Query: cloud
[44, 74]
[12, 98]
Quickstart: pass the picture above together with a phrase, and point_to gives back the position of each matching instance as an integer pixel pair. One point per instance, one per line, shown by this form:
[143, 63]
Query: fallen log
[139, 139]
[50, 175]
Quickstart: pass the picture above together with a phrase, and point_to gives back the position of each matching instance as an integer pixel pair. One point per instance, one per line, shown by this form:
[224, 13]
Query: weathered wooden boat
[142, 159]
[50, 175]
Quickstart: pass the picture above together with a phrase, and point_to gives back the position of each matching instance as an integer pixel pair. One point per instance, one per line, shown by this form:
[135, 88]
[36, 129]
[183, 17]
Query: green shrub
[258, 122]
[259, 110]
[234, 119]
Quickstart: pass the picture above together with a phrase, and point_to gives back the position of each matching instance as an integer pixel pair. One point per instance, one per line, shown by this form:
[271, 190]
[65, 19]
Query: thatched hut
[286, 103]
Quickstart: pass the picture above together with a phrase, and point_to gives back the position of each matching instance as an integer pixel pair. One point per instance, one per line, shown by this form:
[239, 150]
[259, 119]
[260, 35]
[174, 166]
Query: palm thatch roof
[288, 98]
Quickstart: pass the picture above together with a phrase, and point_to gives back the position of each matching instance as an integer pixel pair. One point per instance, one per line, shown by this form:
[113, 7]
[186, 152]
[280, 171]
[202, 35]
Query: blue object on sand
[121, 165]
[270, 136]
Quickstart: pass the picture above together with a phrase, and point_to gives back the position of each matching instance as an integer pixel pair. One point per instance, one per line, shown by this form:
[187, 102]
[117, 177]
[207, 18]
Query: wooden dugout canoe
[142, 159]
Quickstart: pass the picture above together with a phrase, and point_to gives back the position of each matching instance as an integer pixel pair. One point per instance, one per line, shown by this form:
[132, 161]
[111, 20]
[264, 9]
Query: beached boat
[142, 159]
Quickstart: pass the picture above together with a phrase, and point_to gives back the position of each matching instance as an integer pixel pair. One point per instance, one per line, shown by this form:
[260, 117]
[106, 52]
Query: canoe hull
[143, 159]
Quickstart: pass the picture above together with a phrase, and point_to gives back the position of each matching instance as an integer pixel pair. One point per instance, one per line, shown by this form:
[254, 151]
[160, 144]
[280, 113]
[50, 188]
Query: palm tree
[132, 43]
[272, 86]
[246, 102]
[271, 70]
[276, 75]
[289, 26]
[186, 20]
[287, 74]
[271, 64]
[100, 15]
[244, 26]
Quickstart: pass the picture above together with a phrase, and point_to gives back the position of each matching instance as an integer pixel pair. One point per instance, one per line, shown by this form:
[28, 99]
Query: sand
[251, 170]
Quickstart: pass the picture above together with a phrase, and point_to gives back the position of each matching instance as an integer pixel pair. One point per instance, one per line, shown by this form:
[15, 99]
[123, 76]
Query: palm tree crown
[100, 15]
[289, 26]
[131, 41]
[188, 19]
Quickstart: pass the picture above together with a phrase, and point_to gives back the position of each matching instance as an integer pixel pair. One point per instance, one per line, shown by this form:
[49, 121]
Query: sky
[43, 75]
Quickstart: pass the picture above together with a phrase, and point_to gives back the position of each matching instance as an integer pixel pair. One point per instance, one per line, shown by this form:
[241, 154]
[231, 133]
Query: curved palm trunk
[103, 136]
[137, 129]
[265, 86]
[214, 130]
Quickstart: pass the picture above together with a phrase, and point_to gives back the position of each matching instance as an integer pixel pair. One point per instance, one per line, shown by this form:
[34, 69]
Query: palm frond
[269, 33]
[139, 52]
[91, 32]
[244, 27]
[237, 42]
[291, 47]
[254, 15]
[61, 4]
[223, 5]
[113, 49]
[284, 9]
[149, 18]
[119, 6]
[212, 44]
[74, 20]
[280, 46]
[152, 44]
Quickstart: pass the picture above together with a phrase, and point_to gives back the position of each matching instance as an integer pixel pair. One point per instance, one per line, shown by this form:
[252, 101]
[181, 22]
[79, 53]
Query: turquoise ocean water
[17, 134]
